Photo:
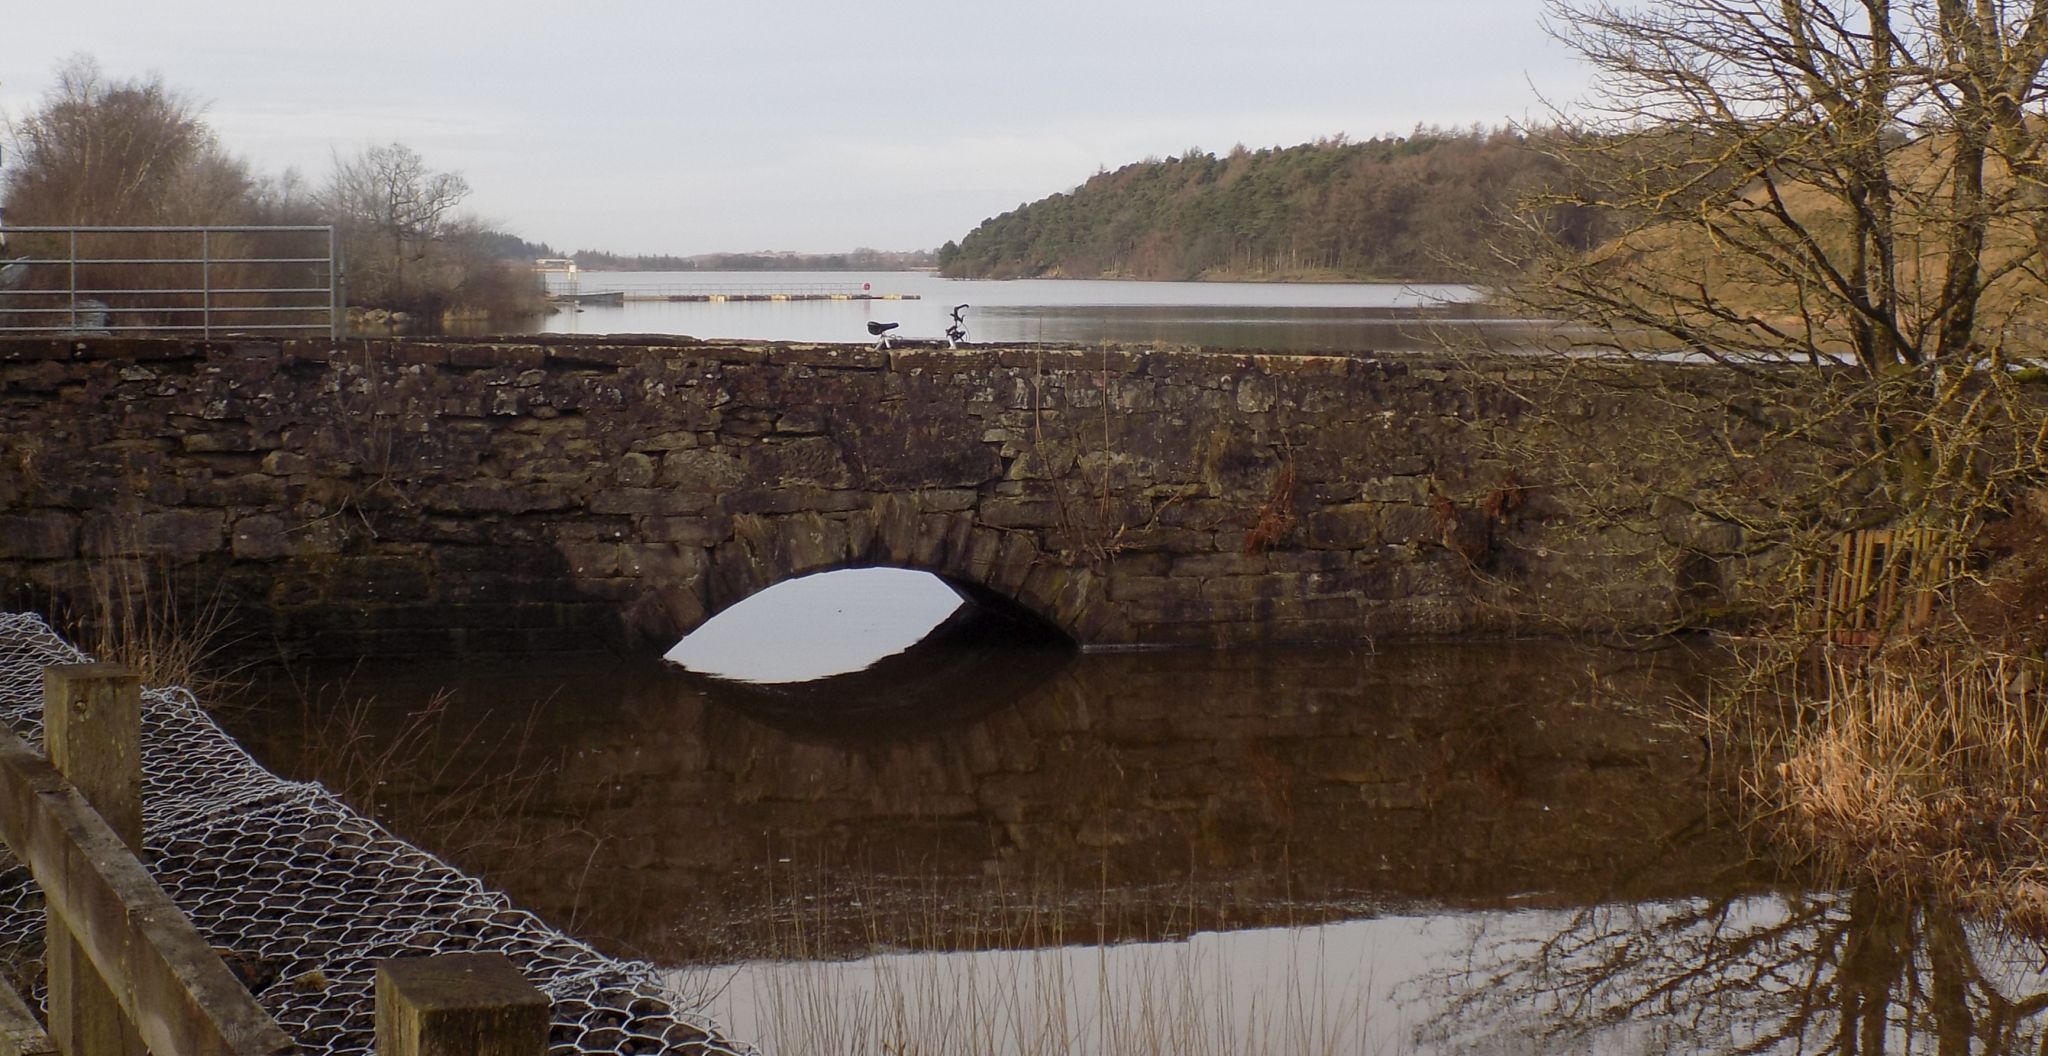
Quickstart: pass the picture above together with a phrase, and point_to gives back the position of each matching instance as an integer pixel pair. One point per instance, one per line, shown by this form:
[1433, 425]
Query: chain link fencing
[301, 894]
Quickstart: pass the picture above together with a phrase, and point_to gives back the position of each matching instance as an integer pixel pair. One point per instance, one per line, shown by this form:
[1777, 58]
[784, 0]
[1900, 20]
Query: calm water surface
[1247, 315]
[1506, 847]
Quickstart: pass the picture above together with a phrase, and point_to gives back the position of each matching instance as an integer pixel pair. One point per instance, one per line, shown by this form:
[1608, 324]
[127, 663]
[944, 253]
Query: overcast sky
[685, 127]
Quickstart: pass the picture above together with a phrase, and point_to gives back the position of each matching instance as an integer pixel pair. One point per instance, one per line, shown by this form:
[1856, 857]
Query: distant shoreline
[1262, 278]
[1302, 278]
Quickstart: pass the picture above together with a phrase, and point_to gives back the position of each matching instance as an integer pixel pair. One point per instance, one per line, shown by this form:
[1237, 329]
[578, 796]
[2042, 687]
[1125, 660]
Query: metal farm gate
[209, 281]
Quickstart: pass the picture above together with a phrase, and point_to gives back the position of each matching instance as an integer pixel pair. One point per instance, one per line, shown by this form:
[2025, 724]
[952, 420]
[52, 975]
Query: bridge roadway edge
[394, 496]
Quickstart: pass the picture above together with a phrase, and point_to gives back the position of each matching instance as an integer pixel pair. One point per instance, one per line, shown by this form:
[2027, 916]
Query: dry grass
[1927, 778]
[459, 786]
[134, 619]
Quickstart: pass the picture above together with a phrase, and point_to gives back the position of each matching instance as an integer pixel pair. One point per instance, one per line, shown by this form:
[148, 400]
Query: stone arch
[898, 531]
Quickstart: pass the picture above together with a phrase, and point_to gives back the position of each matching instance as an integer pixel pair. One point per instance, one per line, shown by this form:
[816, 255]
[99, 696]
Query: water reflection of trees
[1857, 973]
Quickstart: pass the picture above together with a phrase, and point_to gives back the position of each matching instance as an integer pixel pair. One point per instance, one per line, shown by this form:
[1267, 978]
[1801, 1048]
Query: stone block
[939, 536]
[1352, 526]
[1401, 524]
[650, 501]
[183, 532]
[456, 563]
[709, 529]
[509, 357]
[499, 497]
[810, 460]
[1155, 594]
[320, 535]
[38, 536]
[591, 560]
[1414, 489]
[259, 538]
[418, 353]
[806, 422]
[1272, 585]
[1308, 560]
[397, 578]
[707, 471]
[946, 500]
[1256, 394]
[795, 499]
[667, 563]
[1201, 566]
[588, 357]
[239, 441]
[635, 470]
[1125, 563]
[1020, 512]
[510, 587]
[243, 490]
[673, 440]
[286, 463]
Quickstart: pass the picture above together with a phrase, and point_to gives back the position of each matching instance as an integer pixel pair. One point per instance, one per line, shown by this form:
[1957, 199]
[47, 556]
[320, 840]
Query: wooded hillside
[1420, 207]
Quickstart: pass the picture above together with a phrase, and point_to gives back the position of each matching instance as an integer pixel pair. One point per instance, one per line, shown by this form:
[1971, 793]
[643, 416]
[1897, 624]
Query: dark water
[1451, 848]
[1264, 780]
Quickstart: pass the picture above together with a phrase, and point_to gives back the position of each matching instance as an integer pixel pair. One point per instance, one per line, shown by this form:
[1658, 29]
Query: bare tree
[120, 152]
[1834, 213]
[398, 219]
[1843, 201]
[1811, 178]
[100, 152]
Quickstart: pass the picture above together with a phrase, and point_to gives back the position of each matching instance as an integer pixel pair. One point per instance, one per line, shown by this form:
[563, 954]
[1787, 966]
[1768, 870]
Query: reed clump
[458, 782]
[1925, 778]
[1035, 973]
[131, 613]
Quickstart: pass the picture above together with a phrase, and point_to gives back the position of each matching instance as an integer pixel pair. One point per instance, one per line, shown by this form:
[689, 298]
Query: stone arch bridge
[379, 497]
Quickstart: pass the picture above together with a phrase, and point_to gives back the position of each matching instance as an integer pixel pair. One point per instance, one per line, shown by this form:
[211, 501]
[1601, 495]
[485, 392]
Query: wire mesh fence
[301, 894]
[210, 281]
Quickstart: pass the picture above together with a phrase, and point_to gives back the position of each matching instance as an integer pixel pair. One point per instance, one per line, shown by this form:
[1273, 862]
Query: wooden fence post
[92, 732]
[20, 1033]
[459, 1004]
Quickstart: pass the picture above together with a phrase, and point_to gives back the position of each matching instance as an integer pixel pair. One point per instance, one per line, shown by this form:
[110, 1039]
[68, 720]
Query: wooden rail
[127, 971]
[1878, 580]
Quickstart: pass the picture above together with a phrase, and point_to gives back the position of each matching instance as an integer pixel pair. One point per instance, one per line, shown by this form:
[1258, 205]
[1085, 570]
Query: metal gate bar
[42, 292]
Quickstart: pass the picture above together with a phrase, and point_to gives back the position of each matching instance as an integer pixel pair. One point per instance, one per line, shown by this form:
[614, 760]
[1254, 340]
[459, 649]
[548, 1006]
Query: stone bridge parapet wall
[378, 497]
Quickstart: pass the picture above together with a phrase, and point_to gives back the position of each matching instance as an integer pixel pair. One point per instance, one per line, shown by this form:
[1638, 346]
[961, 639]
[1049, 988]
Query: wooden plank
[20, 1034]
[459, 1004]
[174, 988]
[92, 729]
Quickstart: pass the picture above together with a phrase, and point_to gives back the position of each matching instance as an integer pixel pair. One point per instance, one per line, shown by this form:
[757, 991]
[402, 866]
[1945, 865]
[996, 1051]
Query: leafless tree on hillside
[1844, 203]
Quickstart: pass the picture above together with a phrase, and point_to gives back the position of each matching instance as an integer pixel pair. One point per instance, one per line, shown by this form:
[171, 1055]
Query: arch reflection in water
[870, 652]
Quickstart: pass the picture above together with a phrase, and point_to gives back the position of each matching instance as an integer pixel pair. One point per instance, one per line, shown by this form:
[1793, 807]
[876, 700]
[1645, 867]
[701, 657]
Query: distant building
[555, 264]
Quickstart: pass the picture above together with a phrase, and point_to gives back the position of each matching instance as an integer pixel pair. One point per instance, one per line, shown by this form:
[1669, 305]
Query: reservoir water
[1328, 317]
[1497, 848]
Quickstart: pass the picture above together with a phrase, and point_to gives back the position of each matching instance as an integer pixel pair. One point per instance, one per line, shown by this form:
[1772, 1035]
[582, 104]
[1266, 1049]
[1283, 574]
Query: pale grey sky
[689, 127]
